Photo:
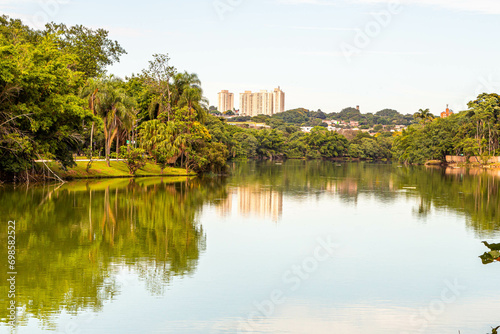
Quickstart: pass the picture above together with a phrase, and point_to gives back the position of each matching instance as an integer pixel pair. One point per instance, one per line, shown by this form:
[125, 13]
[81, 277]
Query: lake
[293, 247]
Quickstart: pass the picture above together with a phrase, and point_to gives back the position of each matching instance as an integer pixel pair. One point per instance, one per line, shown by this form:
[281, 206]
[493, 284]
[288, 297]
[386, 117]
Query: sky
[324, 54]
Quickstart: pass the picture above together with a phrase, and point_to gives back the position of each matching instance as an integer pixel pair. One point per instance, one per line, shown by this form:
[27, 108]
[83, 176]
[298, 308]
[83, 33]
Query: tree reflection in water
[74, 240]
[491, 256]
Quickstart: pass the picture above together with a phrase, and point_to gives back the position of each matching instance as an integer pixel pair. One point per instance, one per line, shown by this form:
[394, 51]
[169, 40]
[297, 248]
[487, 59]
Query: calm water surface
[298, 247]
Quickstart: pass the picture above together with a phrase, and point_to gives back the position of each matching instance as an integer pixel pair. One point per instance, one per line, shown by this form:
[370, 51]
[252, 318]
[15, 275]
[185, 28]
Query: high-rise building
[262, 103]
[246, 103]
[226, 101]
[279, 100]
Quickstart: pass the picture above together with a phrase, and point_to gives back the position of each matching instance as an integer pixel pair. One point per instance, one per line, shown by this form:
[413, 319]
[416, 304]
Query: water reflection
[253, 200]
[473, 192]
[72, 240]
[491, 256]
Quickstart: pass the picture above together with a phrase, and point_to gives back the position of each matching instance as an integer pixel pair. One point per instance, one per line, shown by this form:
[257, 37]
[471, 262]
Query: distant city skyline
[327, 54]
[262, 103]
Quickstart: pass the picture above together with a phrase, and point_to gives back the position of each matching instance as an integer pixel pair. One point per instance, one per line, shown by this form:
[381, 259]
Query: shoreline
[117, 170]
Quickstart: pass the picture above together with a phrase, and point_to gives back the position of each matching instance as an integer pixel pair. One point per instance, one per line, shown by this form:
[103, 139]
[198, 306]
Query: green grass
[99, 169]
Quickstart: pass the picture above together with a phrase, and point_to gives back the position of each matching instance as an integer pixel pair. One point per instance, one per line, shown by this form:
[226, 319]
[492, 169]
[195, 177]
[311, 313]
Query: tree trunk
[91, 147]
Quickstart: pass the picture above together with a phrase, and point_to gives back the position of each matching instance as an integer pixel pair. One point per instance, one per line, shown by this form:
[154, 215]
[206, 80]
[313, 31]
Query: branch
[57, 176]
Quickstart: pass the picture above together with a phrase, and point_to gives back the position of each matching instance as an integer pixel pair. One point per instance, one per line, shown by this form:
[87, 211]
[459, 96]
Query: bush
[134, 157]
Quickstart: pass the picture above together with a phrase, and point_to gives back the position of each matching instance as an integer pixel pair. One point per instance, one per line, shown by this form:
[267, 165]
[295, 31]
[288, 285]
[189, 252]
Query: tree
[245, 145]
[188, 93]
[157, 78]
[134, 158]
[424, 115]
[158, 139]
[484, 112]
[93, 48]
[41, 115]
[270, 143]
[90, 91]
[113, 106]
[327, 143]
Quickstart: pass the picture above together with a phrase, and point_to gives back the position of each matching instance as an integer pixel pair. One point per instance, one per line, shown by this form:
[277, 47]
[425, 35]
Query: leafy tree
[157, 78]
[246, 145]
[95, 51]
[484, 113]
[134, 158]
[157, 138]
[424, 116]
[41, 115]
[326, 143]
[270, 143]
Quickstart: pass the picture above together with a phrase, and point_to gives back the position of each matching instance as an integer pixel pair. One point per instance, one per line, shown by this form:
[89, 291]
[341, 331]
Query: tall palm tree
[90, 91]
[424, 115]
[114, 107]
[188, 93]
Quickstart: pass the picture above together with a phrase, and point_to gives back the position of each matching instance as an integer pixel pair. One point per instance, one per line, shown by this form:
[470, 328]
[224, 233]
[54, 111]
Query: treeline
[56, 101]
[386, 118]
[289, 142]
[473, 132]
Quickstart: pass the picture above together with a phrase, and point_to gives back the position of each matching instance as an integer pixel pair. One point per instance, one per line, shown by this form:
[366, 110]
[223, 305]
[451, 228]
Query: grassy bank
[117, 169]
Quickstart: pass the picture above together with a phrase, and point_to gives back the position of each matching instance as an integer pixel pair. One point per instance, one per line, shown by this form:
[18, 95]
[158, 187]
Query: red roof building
[446, 113]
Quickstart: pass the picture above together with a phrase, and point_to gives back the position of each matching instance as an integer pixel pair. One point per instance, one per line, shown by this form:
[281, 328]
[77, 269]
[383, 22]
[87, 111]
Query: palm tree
[114, 107]
[424, 115]
[90, 91]
[188, 93]
[158, 138]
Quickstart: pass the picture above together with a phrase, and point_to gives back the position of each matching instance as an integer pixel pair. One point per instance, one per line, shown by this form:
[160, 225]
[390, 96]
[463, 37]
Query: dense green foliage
[73, 241]
[41, 114]
[57, 101]
[474, 132]
[304, 117]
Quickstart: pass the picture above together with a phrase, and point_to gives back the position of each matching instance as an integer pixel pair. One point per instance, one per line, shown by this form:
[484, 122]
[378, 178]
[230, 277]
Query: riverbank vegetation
[58, 102]
[473, 132]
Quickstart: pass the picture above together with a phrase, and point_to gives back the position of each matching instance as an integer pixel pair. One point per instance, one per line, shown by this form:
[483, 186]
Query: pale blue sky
[425, 54]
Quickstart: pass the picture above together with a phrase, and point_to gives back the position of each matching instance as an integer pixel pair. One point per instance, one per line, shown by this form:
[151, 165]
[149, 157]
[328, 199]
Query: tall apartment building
[262, 103]
[226, 101]
[279, 100]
